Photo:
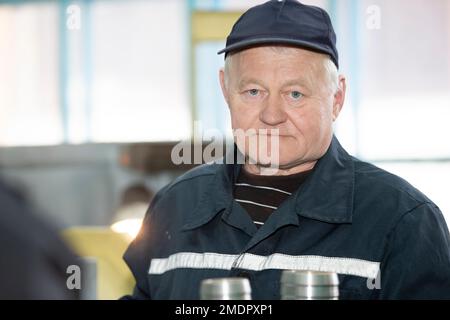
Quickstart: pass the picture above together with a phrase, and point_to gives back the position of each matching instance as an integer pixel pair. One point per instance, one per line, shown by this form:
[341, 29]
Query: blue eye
[253, 92]
[296, 95]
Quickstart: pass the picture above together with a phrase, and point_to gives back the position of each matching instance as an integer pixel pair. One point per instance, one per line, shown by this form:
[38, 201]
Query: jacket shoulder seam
[397, 188]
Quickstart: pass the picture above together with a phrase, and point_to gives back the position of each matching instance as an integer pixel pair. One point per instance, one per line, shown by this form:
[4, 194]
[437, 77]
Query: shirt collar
[326, 195]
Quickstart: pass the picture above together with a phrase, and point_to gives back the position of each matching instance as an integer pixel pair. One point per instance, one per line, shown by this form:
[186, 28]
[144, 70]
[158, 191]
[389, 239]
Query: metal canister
[309, 285]
[225, 289]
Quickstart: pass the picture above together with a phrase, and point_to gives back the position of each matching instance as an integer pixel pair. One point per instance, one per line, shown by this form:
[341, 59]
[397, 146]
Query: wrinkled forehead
[308, 64]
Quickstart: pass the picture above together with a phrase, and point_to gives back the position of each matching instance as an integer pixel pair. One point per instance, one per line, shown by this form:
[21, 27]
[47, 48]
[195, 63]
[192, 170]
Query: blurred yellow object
[212, 25]
[114, 279]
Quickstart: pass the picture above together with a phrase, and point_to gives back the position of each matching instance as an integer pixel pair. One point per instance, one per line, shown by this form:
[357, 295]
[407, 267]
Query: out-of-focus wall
[74, 185]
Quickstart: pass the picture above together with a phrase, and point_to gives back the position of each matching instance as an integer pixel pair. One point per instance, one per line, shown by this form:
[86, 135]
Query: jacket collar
[217, 197]
[326, 195]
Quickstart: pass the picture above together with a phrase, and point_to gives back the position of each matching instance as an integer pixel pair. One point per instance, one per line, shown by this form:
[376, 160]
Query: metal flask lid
[309, 285]
[225, 289]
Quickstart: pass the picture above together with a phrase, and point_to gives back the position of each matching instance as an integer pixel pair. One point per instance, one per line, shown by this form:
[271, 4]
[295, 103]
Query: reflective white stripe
[256, 203]
[257, 222]
[350, 266]
[261, 187]
[208, 260]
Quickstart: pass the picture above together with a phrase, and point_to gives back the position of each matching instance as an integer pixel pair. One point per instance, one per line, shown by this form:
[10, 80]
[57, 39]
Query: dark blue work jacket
[383, 238]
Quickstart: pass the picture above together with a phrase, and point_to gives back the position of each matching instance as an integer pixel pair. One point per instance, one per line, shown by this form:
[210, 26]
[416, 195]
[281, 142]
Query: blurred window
[30, 111]
[93, 71]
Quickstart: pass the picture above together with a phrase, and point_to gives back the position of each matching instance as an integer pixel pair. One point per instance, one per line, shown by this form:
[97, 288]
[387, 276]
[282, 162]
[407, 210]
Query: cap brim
[261, 41]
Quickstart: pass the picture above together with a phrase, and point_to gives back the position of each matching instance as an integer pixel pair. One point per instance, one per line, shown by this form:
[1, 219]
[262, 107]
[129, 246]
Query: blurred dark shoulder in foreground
[34, 259]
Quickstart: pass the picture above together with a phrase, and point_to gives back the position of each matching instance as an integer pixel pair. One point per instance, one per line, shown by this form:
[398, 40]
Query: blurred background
[94, 94]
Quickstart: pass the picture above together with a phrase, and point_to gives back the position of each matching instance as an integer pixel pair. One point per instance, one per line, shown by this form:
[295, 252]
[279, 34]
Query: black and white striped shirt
[261, 195]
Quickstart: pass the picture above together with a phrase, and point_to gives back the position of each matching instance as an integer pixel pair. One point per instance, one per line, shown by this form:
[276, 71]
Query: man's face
[287, 89]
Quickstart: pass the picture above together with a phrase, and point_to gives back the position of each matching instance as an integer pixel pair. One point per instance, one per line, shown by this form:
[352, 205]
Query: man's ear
[339, 97]
[223, 84]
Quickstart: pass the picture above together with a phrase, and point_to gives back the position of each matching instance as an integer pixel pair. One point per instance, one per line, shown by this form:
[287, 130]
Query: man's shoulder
[382, 184]
[199, 174]
[192, 182]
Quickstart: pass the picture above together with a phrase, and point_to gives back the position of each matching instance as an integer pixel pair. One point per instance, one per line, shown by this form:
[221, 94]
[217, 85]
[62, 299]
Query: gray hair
[332, 75]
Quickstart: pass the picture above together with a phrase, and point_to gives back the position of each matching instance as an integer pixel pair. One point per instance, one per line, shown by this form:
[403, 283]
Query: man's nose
[273, 113]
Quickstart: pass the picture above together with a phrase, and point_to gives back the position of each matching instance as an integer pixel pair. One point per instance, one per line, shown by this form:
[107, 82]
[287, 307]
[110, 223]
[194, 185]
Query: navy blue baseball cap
[284, 22]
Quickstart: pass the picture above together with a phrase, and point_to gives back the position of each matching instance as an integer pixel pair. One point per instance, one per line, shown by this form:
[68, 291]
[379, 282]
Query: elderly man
[318, 209]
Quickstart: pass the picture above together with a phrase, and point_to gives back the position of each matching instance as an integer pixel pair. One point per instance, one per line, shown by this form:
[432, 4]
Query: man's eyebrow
[300, 81]
[243, 82]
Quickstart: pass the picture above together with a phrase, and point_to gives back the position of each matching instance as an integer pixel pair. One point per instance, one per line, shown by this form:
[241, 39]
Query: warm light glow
[129, 227]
